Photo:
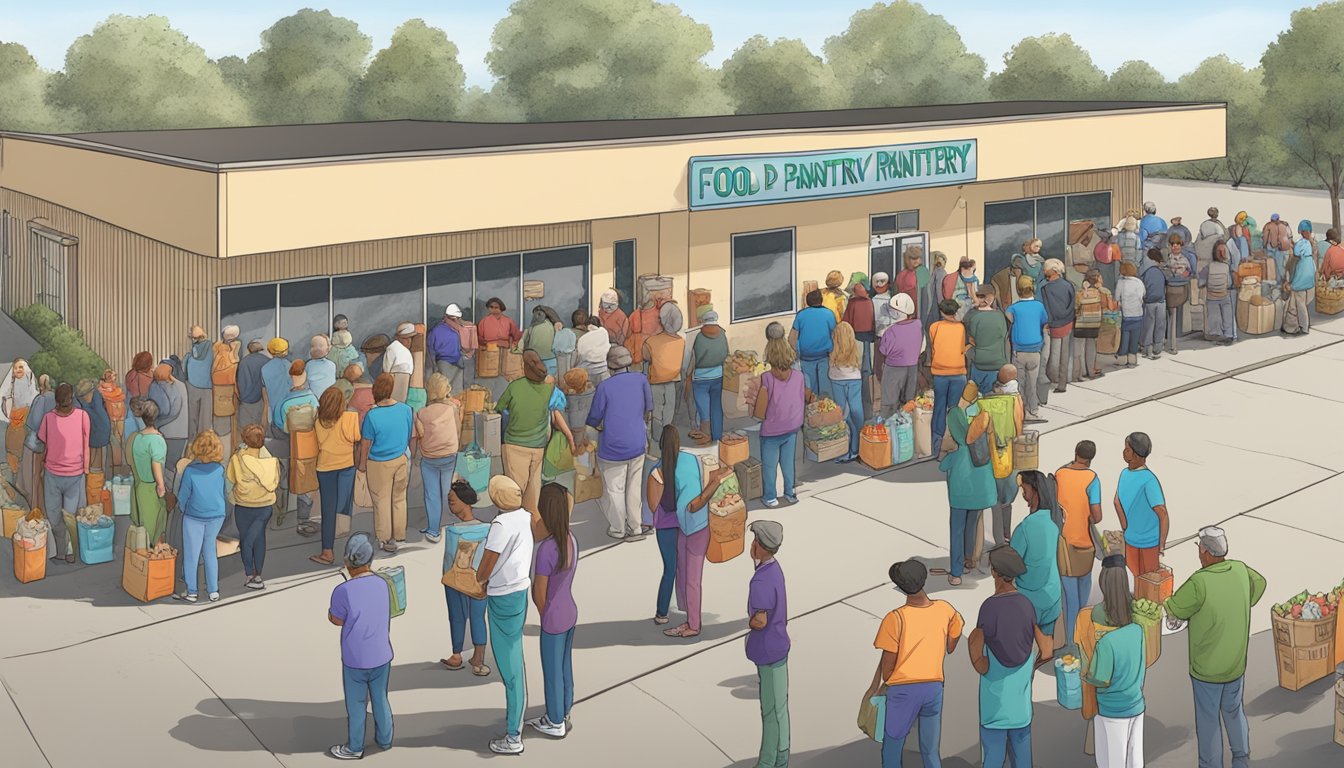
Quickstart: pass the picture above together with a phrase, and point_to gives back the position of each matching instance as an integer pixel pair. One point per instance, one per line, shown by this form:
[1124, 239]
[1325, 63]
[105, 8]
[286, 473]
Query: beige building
[135, 236]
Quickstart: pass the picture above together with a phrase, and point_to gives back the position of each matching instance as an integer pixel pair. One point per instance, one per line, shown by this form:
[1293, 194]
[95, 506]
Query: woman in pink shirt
[786, 397]
[65, 431]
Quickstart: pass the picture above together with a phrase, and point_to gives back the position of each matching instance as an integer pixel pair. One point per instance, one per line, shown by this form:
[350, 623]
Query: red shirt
[1333, 263]
[859, 314]
[500, 330]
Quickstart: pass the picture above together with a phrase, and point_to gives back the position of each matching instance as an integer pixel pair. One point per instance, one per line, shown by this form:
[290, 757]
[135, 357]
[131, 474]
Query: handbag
[557, 458]
[759, 410]
[1075, 562]
[462, 576]
[979, 449]
[873, 709]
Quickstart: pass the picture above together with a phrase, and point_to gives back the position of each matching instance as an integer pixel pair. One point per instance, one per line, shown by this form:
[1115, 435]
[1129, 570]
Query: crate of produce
[1304, 638]
[823, 413]
[1156, 586]
[749, 478]
[827, 450]
[1148, 615]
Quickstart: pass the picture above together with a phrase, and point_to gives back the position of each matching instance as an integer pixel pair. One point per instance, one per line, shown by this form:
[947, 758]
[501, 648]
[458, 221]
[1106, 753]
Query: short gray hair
[358, 550]
[1140, 443]
[1213, 540]
[1150, 207]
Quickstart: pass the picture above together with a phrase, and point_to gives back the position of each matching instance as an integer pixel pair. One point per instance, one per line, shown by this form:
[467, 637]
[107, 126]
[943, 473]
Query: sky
[1174, 44]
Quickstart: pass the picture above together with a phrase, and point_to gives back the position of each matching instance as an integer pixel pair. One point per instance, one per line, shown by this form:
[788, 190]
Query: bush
[65, 356]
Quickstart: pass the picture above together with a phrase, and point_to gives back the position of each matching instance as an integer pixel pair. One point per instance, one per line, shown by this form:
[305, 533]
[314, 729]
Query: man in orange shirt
[663, 354]
[947, 344]
[914, 640]
[1080, 502]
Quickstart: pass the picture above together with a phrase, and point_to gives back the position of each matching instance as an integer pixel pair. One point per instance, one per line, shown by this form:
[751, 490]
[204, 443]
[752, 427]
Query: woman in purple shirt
[786, 396]
[552, 592]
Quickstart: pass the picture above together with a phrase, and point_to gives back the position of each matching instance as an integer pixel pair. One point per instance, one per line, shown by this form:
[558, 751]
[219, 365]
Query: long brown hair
[330, 406]
[553, 507]
[669, 444]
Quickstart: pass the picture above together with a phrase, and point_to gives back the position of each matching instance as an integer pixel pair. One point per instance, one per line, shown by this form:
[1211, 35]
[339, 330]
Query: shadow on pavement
[643, 632]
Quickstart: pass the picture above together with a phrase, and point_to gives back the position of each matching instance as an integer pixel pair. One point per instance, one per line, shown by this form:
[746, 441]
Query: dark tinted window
[1050, 227]
[448, 283]
[625, 274]
[498, 276]
[762, 274]
[1007, 226]
[376, 302]
[304, 312]
[251, 308]
[563, 274]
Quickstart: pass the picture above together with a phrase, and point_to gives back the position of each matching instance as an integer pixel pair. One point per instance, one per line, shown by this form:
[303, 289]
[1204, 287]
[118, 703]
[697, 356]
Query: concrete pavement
[1243, 435]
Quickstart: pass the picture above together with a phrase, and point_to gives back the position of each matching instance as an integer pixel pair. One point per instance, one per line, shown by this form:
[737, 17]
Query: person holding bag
[532, 405]
[1079, 491]
[970, 480]
[463, 550]
[692, 496]
[255, 476]
[780, 405]
[146, 452]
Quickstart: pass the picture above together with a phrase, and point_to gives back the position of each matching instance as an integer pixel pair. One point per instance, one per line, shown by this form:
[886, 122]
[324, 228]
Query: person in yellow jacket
[255, 475]
[832, 297]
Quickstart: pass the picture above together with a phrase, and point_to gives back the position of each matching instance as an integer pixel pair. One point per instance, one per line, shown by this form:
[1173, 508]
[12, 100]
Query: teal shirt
[1117, 670]
[1005, 694]
[688, 486]
[1304, 274]
[968, 486]
[1036, 539]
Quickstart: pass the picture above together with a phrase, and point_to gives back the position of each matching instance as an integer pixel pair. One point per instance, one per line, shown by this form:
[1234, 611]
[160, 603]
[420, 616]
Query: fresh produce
[1070, 663]
[874, 432]
[1147, 609]
[824, 405]
[1308, 607]
[741, 361]
[829, 432]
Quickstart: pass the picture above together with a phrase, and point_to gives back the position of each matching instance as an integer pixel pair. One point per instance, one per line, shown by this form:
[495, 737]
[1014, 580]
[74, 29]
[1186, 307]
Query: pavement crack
[230, 709]
[1291, 391]
[1291, 527]
[860, 610]
[693, 727]
[878, 520]
[24, 720]
[1274, 456]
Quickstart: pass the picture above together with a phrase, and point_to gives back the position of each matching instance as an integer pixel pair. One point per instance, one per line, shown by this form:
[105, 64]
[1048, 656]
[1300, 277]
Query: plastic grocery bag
[873, 716]
[473, 465]
[1069, 683]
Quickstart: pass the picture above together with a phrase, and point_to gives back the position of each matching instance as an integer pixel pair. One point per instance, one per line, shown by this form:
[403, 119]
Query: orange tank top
[665, 358]
[1072, 485]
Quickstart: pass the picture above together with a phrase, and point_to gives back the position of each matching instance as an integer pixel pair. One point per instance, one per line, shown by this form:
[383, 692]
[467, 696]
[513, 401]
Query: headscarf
[533, 368]
[22, 391]
[229, 333]
[610, 299]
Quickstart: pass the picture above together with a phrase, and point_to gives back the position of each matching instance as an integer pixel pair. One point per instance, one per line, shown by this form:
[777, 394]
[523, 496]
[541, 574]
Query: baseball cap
[452, 310]
[1213, 540]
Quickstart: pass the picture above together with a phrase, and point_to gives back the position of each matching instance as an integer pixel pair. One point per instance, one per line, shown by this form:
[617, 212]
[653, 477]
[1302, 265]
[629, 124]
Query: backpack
[1129, 245]
[1089, 307]
[396, 587]
[979, 448]
[1156, 240]
[1219, 280]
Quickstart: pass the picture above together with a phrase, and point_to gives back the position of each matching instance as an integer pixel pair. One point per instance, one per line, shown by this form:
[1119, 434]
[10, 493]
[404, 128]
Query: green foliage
[307, 69]
[23, 85]
[65, 356]
[493, 106]
[416, 76]
[1047, 67]
[1138, 81]
[900, 55]
[1218, 78]
[136, 73]
[783, 76]
[604, 59]
[1303, 77]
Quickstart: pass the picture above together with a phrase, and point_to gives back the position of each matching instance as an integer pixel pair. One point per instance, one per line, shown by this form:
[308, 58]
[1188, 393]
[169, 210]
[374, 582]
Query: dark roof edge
[201, 165]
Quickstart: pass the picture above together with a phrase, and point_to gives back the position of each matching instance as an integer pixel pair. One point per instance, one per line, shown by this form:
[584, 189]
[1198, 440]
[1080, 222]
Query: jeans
[817, 375]
[1154, 326]
[1219, 321]
[849, 396]
[962, 521]
[664, 411]
[1001, 522]
[774, 683]
[984, 380]
[1057, 368]
[1280, 261]
[363, 686]
[1218, 706]
[996, 744]
[252, 536]
[198, 543]
[778, 451]
[667, 547]
[946, 393]
[1130, 330]
[507, 614]
[690, 573]
[336, 489]
[1076, 591]
[905, 704]
[464, 610]
[1028, 372]
[557, 672]
[62, 494]
[437, 477]
[709, 404]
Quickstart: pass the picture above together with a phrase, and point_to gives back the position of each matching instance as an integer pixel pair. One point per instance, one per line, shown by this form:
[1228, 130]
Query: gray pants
[1295, 317]
[62, 494]
[900, 384]
[621, 495]
[1057, 367]
[401, 384]
[453, 373]
[1084, 357]
[1001, 527]
[1218, 318]
[200, 410]
[251, 413]
[664, 411]
[1028, 372]
[1154, 327]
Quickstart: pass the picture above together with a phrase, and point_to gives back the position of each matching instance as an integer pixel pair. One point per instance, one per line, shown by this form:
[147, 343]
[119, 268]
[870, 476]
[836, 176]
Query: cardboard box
[486, 429]
[1156, 586]
[827, 450]
[1296, 633]
[1302, 666]
[147, 580]
[1339, 717]
[749, 478]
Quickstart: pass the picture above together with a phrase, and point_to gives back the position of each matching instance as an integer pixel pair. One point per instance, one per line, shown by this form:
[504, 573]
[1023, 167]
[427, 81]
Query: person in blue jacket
[1299, 285]
[90, 400]
[201, 501]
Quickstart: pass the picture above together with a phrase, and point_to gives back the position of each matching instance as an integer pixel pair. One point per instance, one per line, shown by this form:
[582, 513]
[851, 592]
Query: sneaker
[791, 498]
[634, 537]
[618, 535]
[508, 745]
[342, 752]
[214, 597]
[185, 597]
[256, 583]
[771, 503]
[390, 547]
[545, 726]
[431, 536]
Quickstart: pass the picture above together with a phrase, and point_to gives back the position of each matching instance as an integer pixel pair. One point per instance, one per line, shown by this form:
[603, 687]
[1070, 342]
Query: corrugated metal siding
[1126, 185]
[135, 293]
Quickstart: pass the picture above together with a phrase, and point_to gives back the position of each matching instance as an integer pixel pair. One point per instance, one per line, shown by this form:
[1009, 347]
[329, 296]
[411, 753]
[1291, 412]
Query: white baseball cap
[452, 310]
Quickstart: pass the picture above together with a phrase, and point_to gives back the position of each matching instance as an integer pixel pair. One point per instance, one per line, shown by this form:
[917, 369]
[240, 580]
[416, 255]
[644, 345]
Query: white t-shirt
[397, 358]
[510, 536]
[1129, 293]
[844, 374]
[593, 346]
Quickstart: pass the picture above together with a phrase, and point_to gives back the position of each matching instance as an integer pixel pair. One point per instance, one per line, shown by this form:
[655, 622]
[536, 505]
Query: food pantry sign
[728, 181]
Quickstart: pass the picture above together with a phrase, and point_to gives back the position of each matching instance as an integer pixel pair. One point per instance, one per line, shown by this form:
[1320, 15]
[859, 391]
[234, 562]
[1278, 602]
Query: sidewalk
[254, 680]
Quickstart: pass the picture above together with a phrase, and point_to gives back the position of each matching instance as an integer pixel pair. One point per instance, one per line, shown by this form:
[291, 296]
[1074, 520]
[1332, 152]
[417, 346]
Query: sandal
[320, 560]
[954, 580]
[307, 529]
[660, 620]
[481, 671]
[461, 666]
[676, 631]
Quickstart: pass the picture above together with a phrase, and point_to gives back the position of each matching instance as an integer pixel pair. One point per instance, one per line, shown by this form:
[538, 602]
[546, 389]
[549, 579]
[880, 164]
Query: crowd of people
[249, 433]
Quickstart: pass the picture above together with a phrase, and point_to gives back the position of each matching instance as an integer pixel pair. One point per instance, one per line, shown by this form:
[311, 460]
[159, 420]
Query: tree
[307, 69]
[23, 85]
[1138, 81]
[1218, 78]
[234, 71]
[783, 76]
[493, 106]
[900, 55]
[139, 73]
[417, 76]
[1303, 73]
[604, 59]
[1047, 67]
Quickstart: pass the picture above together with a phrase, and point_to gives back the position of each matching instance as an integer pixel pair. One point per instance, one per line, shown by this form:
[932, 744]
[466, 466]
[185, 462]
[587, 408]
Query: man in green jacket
[1217, 601]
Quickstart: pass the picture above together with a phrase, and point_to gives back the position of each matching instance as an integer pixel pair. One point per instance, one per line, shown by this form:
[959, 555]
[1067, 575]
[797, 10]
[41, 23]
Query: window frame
[793, 273]
[897, 216]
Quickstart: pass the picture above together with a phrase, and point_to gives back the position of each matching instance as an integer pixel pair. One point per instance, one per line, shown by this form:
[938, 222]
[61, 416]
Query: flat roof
[267, 145]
